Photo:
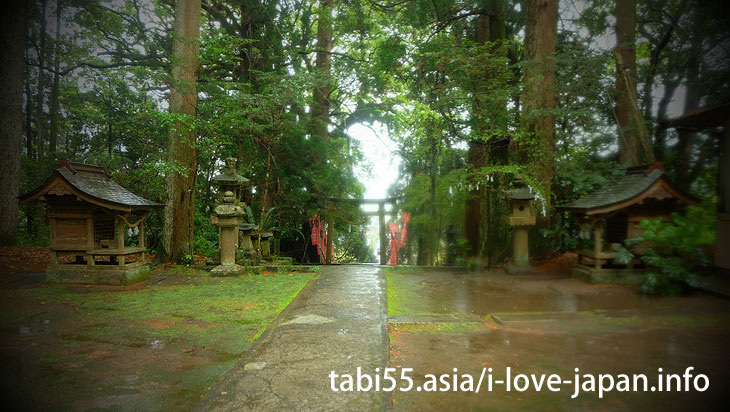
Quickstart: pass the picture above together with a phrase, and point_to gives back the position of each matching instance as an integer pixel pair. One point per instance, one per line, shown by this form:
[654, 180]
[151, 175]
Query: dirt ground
[156, 345]
[547, 323]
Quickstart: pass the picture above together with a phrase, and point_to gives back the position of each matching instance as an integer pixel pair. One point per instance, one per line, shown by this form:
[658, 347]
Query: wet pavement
[444, 320]
[549, 324]
[337, 323]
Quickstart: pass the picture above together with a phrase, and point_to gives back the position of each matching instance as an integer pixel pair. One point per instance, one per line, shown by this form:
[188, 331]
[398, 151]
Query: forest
[562, 96]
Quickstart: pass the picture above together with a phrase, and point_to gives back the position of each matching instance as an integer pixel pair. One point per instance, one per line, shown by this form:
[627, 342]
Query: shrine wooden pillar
[141, 242]
[598, 243]
[722, 243]
[90, 244]
[120, 240]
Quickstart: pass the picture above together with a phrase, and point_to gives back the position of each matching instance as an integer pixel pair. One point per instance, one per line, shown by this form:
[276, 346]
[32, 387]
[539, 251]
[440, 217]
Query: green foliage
[413, 67]
[352, 246]
[673, 249]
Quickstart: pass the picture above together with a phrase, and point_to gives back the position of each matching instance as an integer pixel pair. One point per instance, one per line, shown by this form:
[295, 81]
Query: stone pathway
[337, 323]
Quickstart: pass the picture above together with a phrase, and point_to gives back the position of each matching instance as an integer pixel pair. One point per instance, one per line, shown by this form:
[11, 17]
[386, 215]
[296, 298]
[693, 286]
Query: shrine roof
[90, 183]
[229, 177]
[632, 188]
[701, 119]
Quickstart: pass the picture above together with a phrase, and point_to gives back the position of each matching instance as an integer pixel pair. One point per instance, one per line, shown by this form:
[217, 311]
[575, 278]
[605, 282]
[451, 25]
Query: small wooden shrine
[97, 226]
[612, 214]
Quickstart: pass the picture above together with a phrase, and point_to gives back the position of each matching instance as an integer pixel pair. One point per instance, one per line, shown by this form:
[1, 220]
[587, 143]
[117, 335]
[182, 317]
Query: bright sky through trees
[378, 150]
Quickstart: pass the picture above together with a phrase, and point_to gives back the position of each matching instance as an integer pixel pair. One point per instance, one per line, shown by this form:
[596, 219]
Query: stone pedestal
[228, 217]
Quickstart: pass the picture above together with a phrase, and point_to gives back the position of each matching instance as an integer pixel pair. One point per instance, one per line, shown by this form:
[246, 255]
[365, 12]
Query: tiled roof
[102, 187]
[94, 185]
[626, 188]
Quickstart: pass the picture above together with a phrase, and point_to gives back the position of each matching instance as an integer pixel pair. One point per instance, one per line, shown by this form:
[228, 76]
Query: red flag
[405, 217]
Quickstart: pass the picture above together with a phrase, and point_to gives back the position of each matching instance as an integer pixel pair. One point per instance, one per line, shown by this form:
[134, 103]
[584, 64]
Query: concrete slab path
[337, 323]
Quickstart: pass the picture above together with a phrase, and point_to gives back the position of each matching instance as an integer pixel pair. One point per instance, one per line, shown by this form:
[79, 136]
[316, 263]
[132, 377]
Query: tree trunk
[182, 154]
[539, 96]
[477, 158]
[40, 92]
[434, 232]
[29, 146]
[53, 135]
[490, 27]
[321, 109]
[12, 72]
[625, 46]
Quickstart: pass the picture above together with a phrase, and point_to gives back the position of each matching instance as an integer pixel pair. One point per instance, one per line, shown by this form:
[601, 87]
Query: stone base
[97, 274]
[514, 269]
[608, 276]
[228, 270]
[282, 260]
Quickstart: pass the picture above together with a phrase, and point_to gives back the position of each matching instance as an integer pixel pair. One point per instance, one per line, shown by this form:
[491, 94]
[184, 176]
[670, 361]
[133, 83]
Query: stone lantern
[246, 231]
[228, 216]
[265, 244]
[230, 181]
[520, 220]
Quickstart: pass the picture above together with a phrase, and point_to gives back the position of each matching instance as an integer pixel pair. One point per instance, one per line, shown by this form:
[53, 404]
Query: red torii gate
[380, 213]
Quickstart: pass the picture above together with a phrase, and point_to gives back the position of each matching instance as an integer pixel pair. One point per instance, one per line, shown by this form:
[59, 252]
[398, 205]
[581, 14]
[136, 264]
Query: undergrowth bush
[673, 250]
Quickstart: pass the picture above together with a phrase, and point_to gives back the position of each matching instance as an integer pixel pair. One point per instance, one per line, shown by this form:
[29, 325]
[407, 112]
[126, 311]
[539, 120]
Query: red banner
[319, 239]
[405, 217]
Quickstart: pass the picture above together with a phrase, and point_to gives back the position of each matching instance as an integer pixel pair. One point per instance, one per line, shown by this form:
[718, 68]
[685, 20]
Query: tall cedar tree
[182, 154]
[490, 27]
[12, 72]
[539, 96]
[40, 88]
[321, 109]
[625, 46]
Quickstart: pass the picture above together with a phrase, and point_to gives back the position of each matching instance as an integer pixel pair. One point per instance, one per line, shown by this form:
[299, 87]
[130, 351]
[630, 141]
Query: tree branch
[333, 54]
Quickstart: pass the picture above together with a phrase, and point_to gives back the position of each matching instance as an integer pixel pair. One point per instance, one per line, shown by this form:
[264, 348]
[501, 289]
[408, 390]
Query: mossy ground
[403, 298]
[156, 346]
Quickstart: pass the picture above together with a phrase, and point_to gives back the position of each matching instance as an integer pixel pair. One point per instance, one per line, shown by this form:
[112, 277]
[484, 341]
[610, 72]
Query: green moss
[455, 328]
[404, 270]
[403, 296]
[183, 333]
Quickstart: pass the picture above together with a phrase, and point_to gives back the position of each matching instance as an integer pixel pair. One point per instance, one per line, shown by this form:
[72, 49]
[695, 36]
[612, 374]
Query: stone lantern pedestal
[520, 221]
[245, 232]
[228, 217]
[230, 182]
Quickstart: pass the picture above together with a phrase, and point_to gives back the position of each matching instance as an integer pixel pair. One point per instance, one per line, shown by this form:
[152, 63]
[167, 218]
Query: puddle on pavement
[552, 324]
[482, 294]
